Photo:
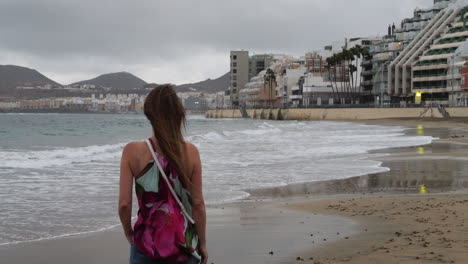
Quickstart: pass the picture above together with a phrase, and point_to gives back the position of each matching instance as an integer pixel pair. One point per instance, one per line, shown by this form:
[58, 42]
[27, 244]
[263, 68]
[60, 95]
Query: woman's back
[171, 217]
[160, 215]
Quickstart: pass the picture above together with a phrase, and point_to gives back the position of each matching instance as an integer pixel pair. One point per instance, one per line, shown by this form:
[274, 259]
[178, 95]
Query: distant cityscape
[115, 93]
[105, 103]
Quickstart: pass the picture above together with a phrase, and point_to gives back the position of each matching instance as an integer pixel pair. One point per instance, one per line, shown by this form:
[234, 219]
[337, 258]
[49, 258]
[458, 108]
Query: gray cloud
[177, 41]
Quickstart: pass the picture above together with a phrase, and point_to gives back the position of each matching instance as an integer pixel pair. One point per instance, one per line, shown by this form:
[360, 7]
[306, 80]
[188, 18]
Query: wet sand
[397, 223]
[355, 220]
[247, 232]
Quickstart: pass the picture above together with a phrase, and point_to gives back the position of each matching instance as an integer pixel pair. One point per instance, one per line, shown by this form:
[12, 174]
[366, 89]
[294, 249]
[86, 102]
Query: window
[234, 84]
[234, 64]
[234, 57]
[234, 71]
[234, 77]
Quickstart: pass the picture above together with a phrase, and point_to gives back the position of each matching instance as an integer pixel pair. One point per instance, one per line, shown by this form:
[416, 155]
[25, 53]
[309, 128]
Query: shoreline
[397, 224]
[274, 201]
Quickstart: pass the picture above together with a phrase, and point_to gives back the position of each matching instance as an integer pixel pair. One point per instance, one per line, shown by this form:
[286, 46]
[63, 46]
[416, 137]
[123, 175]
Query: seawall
[337, 113]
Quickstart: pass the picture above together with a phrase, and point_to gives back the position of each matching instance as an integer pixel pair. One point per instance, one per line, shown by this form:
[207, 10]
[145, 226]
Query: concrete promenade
[337, 113]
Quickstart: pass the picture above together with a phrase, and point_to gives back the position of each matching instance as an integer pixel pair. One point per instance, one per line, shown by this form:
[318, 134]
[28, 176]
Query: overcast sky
[177, 41]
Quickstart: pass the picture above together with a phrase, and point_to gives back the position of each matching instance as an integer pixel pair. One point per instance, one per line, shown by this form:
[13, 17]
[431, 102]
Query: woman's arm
[125, 194]
[198, 203]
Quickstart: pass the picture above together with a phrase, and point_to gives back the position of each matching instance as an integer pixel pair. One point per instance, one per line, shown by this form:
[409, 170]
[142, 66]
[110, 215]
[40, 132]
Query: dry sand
[396, 229]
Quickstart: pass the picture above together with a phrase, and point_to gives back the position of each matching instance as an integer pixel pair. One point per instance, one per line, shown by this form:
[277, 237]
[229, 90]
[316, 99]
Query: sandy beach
[396, 229]
[378, 218]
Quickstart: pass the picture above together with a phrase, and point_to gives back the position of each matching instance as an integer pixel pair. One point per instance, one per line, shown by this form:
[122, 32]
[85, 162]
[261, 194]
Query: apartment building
[239, 64]
[259, 63]
[435, 75]
[386, 49]
[423, 68]
[258, 93]
[245, 67]
[436, 21]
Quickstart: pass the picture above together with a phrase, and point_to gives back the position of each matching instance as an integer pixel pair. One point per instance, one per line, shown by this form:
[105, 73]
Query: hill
[118, 81]
[12, 76]
[208, 86]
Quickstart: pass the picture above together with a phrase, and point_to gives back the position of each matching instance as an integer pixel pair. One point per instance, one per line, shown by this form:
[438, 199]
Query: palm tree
[348, 58]
[331, 63]
[338, 57]
[335, 61]
[357, 55]
[269, 79]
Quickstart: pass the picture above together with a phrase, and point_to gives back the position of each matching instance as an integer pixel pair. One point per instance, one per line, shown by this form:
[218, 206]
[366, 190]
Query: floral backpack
[165, 229]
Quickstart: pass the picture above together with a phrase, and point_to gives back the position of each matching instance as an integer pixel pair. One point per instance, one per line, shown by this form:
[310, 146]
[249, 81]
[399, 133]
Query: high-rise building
[423, 67]
[435, 20]
[239, 74]
[383, 52]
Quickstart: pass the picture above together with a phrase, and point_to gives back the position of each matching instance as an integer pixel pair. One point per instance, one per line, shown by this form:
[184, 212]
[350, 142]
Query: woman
[170, 228]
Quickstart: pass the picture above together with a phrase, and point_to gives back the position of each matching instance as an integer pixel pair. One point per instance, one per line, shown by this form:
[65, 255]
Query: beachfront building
[381, 52]
[289, 90]
[259, 92]
[294, 74]
[222, 100]
[243, 68]
[368, 70]
[422, 72]
[384, 50]
[434, 23]
[460, 77]
[310, 81]
[317, 89]
[259, 63]
[239, 74]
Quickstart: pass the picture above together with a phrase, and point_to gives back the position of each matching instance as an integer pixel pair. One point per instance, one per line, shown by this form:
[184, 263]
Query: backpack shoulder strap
[164, 176]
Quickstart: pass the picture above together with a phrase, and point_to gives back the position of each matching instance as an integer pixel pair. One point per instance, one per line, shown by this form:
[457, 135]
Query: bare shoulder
[133, 147]
[191, 149]
[192, 154]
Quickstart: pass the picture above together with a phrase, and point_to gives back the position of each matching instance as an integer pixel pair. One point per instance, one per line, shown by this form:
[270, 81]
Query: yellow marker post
[418, 98]
[422, 189]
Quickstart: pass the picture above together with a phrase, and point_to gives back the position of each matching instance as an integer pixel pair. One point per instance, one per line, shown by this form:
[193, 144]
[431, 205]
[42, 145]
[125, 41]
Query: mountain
[12, 76]
[208, 86]
[117, 80]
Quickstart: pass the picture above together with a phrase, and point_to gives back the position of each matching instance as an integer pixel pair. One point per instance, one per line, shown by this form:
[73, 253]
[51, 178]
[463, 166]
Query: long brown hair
[167, 117]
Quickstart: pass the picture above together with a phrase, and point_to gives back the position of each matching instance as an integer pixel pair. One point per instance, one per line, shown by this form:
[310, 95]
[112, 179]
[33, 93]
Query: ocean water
[59, 173]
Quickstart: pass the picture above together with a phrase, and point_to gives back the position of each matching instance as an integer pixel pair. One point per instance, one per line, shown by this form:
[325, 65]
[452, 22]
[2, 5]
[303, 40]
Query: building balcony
[295, 97]
[385, 57]
[367, 73]
[446, 46]
[366, 62]
[436, 57]
[455, 35]
[430, 67]
[367, 83]
[431, 78]
[432, 89]
[295, 88]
